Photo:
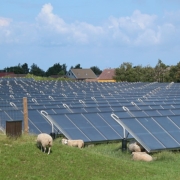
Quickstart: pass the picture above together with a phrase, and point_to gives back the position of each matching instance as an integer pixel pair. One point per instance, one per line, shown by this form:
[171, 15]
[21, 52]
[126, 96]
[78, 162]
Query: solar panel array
[97, 112]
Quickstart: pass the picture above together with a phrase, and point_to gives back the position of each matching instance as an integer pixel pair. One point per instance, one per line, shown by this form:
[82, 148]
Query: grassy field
[21, 159]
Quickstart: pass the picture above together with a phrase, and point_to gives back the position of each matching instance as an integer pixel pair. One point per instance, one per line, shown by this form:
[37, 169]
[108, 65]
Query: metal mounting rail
[12, 104]
[35, 101]
[50, 97]
[116, 118]
[45, 114]
[67, 107]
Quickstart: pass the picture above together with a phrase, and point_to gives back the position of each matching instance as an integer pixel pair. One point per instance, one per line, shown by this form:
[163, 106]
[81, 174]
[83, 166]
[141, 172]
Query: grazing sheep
[74, 143]
[44, 140]
[141, 156]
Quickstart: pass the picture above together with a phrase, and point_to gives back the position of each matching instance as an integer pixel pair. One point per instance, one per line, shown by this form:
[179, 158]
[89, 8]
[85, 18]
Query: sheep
[63, 140]
[44, 140]
[135, 147]
[74, 143]
[141, 156]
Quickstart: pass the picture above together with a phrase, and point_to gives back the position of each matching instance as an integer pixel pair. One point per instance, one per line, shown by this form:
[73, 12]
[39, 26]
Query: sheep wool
[134, 147]
[44, 140]
[63, 140]
[141, 156]
[74, 143]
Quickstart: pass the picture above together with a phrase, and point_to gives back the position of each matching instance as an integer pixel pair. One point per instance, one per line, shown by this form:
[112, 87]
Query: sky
[102, 33]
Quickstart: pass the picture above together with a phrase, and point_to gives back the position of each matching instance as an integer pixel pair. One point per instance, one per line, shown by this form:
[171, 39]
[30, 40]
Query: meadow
[21, 159]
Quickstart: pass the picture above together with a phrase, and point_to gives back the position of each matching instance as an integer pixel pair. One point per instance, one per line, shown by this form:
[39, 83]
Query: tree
[57, 69]
[160, 69]
[174, 73]
[123, 72]
[148, 74]
[35, 70]
[96, 70]
[16, 69]
[25, 68]
[61, 73]
[78, 66]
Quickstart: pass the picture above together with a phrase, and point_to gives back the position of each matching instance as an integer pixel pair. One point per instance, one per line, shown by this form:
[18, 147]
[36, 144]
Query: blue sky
[102, 33]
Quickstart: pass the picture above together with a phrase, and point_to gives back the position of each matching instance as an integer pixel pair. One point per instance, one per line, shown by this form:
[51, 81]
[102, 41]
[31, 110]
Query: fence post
[25, 111]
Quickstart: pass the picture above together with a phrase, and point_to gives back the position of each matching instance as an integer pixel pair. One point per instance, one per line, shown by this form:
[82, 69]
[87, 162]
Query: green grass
[21, 159]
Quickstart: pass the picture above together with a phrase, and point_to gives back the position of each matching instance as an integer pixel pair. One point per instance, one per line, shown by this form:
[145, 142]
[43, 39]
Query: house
[81, 74]
[107, 76]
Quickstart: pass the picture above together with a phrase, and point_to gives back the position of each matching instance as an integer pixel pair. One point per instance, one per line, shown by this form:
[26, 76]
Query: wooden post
[25, 111]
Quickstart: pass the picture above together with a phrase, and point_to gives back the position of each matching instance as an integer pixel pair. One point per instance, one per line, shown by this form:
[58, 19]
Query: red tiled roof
[107, 74]
[2, 74]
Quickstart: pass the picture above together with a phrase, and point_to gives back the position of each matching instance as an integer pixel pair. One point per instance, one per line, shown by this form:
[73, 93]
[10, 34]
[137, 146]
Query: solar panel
[83, 109]
[176, 111]
[86, 127]
[67, 127]
[170, 127]
[152, 113]
[175, 120]
[107, 117]
[141, 134]
[153, 133]
[103, 127]
[165, 112]
[38, 121]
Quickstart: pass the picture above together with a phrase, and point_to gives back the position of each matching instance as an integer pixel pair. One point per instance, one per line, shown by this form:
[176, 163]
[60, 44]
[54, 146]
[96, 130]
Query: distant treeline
[56, 69]
[160, 73]
[125, 72]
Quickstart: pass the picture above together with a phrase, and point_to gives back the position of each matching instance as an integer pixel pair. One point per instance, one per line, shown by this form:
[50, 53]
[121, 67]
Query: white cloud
[77, 32]
[49, 29]
[51, 21]
[136, 29]
[4, 22]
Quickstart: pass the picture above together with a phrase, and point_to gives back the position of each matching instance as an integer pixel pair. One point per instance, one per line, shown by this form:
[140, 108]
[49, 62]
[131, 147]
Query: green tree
[61, 73]
[25, 68]
[16, 69]
[123, 72]
[35, 70]
[54, 70]
[96, 70]
[78, 66]
[160, 70]
[148, 74]
[174, 73]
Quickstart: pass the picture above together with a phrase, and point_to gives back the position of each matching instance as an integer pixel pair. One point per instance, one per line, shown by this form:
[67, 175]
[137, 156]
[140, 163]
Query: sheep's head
[63, 141]
[66, 141]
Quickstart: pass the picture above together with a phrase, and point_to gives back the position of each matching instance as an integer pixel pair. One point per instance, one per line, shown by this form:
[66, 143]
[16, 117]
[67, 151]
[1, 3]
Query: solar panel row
[148, 111]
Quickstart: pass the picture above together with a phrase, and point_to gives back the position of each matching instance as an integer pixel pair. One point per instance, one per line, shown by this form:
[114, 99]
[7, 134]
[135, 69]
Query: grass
[21, 159]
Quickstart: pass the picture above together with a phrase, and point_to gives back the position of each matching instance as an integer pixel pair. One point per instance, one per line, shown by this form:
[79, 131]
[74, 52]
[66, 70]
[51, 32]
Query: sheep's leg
[41, 148]
[49, 150]
[44, 149]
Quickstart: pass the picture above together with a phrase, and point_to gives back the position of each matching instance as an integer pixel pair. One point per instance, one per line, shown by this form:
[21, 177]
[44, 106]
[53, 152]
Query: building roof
[2, 74]
[107, 74]
[83, 73]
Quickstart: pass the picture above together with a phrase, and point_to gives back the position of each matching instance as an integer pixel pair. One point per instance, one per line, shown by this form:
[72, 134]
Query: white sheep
[44, 140]
[135, 147]
[141, 156]
[63, 140]
[74, 143]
